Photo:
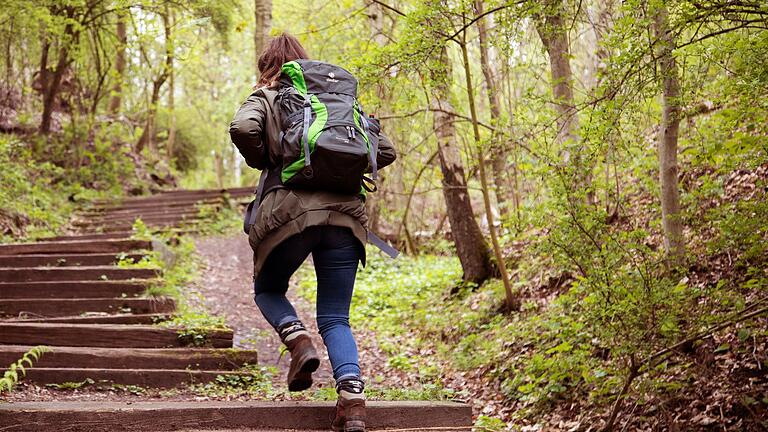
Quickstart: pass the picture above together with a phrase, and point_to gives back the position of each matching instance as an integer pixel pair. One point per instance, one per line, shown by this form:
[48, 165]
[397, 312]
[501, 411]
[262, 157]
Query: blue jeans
[335, 252]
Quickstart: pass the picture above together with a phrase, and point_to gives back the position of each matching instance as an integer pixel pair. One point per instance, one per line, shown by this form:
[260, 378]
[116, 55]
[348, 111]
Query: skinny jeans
[335, 253]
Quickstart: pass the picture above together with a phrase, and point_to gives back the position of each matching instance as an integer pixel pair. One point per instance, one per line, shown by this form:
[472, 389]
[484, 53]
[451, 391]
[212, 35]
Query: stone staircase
[69, 294]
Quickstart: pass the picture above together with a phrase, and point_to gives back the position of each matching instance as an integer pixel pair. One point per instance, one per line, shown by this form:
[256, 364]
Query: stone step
[150, 378]
[73, 289]
[252, 415]
[75, 247]
[58, 307]
[46, 274]
[100, 319]
[105, 335]
[66, 260]
[134, 358]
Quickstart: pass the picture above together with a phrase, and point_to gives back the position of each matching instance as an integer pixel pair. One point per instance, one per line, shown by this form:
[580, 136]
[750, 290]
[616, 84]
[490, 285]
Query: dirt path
[226, 289]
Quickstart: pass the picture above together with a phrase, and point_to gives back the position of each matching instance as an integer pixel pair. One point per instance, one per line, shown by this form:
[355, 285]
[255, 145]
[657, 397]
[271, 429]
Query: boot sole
[354, 426]
[303, 378]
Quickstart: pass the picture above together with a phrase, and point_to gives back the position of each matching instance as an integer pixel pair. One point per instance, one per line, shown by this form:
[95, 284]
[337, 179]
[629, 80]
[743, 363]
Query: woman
[289, 225]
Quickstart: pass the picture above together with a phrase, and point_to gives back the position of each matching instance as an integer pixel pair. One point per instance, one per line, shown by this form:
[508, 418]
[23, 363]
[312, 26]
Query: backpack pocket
[339, 159]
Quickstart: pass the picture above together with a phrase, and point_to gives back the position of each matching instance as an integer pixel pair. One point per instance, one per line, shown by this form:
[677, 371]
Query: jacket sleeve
[386, 154]
[247, 131]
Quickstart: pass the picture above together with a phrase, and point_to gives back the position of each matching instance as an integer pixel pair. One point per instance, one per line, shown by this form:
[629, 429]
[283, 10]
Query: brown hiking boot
[304, 358]
[350, 407]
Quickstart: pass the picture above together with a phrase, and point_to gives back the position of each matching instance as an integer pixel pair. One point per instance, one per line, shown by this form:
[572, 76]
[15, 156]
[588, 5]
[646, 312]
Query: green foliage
[219, 219]
[72, 385]
[428, 392]
[17, 370]
[179, 265]
[33, 199]
[489, 424]
[252, 381]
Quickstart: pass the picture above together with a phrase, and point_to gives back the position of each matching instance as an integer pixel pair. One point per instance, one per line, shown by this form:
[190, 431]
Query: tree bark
[117, 89]
[553, 34]
[674, 243]
[498, 151]
[512, 301]
[171, 106]
[51, 84]
[147, 138]
[376, 21]
[470, 244]
[263, 15]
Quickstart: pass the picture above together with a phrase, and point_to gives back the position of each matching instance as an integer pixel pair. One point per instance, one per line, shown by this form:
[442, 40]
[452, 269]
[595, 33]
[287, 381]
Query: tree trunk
[512, 301]
[470, 244]
[120, 63]
[51, 84]
[147, 138]
[263, 15]
[171, 106]
[674, 243]
[552, 31]
[498, 151]
[376, 21]
[171, 111]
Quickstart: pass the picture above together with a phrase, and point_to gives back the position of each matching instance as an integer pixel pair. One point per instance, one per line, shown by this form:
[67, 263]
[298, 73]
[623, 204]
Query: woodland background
[599, 169]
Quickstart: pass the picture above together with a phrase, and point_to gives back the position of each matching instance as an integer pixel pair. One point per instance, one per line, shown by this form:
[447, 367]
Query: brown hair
[279, 50]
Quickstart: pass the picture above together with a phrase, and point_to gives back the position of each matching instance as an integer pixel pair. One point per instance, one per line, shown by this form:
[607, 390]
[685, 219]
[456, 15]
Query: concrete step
[105, 335]
[73, 289]
[65, 260]
[47, 307]
[101, 318]
[174, 416]
[75, 247]
[97, 273]
[150, 378]
[134, 358]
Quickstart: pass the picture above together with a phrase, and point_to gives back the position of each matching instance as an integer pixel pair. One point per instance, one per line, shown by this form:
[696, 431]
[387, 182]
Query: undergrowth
[17, 370]
[176, 257]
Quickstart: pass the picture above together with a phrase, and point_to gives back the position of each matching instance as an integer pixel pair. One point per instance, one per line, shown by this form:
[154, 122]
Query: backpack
[326, 140]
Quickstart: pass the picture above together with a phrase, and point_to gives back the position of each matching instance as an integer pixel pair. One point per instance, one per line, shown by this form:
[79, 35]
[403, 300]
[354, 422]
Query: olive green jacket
[286, 212]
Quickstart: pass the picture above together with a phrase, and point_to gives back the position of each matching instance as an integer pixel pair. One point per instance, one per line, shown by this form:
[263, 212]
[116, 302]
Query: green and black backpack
[326, 140]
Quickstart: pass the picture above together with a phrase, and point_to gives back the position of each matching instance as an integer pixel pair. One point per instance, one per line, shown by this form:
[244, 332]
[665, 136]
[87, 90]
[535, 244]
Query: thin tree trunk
[470, 244]
[376, 20]
[147, 138]
[263, 25]
[512, 301]
[674, 243]
[51, 84]
[171, 106]
[498, 151]
[9, 54]
[554, 36]
[171, 111]
[120, 63]
[52, 91]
